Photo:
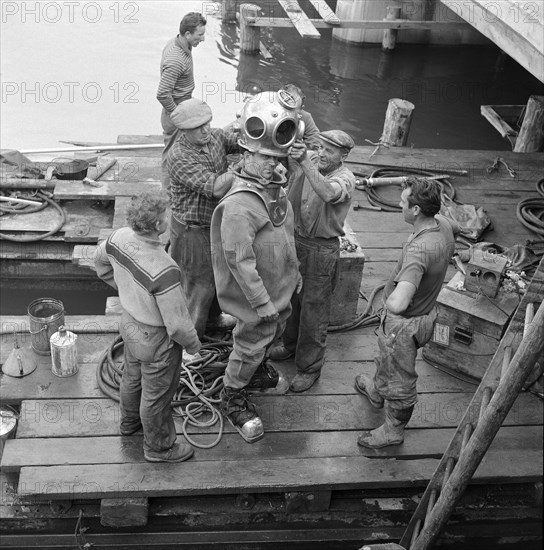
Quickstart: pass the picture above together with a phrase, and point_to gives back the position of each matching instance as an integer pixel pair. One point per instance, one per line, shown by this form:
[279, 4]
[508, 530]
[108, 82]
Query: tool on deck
[358, 206]
[496, 165]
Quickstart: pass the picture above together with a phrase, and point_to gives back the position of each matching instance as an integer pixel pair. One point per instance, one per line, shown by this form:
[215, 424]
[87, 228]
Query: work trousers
[399, 338]
[150, 379]
[251, 341]
[191, 249]
[306, 329]
[170, 134]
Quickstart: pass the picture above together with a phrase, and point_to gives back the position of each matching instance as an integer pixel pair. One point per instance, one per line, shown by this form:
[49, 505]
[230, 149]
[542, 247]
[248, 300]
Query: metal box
[468, 328]
[346, 293]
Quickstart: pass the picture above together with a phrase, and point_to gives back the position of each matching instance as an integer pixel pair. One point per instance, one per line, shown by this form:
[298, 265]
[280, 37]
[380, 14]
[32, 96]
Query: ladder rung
[506, 358]
[486, 398]
[431, 503]
[529, 316]
[467, 432]
[415, 534]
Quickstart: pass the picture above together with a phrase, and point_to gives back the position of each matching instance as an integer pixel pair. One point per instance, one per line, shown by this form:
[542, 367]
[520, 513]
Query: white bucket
[63, 353]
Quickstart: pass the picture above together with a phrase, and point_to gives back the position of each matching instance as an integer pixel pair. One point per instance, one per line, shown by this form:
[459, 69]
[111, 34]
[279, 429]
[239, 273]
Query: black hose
[42, 236]
[530, 212]
[375, 199]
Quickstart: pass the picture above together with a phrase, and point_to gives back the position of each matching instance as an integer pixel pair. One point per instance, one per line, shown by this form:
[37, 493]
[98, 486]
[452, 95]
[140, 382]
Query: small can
[63, 353]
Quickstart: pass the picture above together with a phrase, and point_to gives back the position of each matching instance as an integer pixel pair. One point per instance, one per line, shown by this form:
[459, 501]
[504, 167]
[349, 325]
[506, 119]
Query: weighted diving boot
[391, 432]
[237, 408]
[265, 377]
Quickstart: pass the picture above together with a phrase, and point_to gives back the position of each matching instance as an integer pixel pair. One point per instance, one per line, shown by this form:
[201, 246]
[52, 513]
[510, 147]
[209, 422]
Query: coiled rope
[200, 383]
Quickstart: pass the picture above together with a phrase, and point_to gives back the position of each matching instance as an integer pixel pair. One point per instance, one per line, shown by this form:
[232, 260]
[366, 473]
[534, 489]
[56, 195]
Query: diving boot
[265, 377]
[364, 385]
[241, 413]
[391, 432]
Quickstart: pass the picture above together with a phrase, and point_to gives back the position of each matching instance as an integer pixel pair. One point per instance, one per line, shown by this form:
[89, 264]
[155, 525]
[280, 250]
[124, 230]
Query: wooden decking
[306, 481]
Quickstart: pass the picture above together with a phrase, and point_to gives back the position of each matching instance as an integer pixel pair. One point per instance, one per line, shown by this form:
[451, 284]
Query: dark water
[347, 86]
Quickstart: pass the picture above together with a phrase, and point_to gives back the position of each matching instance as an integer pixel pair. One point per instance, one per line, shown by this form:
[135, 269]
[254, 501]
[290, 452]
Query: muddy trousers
[150, 379]
[395, 379]
[191, 250]
[251, 342]
[306, 330]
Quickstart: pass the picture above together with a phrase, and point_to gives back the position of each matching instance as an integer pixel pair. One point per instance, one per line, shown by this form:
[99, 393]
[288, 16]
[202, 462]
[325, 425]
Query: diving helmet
[270, 123]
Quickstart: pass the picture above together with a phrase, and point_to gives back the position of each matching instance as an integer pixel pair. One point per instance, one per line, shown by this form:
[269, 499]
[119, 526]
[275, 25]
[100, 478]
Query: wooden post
[250, 37]
[228, 11]
[531, 134]
[390, 35]
[529, 352]
[397, 122]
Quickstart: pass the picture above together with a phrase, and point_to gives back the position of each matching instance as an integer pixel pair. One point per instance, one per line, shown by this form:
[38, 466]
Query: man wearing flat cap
[320, 189]
[197, 165]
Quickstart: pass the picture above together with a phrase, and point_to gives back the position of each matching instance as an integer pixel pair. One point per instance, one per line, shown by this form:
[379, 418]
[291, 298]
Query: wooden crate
[346, 293]
[468, 328]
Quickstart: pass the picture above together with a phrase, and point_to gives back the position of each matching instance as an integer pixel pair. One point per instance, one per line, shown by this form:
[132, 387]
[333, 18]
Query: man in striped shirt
[155, 325]
[177, 81]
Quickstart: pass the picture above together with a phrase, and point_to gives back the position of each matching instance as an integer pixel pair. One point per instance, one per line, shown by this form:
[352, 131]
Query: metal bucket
[46, 316]
[8, 421]
[64, 353]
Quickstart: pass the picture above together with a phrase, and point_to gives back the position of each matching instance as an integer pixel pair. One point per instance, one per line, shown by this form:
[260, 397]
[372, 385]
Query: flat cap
[338, 138]
[191, 114]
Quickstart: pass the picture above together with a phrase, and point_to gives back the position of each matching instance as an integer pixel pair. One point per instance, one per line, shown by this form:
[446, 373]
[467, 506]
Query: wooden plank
[20, 453]
[299, 19]
[94, 417]
[398, 24]
[108, 191]
[120, 213]
[39, 250]
[336, 379]
[254, 476]
[325, 12]
[264, 51]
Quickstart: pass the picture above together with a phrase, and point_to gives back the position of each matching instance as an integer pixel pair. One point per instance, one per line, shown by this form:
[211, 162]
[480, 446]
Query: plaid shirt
[193, 170]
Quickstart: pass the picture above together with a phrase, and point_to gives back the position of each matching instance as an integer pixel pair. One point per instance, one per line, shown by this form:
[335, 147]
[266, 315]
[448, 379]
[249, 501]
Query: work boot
[280, 353]
[265, 377]
[176, 453]
[241, 413]
[223, 321]
[364, 385]
[391, 432]
[304, 381]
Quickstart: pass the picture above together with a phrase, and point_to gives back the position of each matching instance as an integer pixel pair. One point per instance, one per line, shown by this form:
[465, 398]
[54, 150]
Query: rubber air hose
[42, 236]
[530, 212]
[375, 199]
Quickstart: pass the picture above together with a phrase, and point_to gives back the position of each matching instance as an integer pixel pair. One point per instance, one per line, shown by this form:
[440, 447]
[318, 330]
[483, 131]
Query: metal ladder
[499, 388]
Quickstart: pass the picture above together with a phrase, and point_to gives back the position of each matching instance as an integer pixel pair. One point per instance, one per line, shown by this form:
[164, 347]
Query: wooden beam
[325, 11]
[398, 24]
[504, 129]
[300, 20]
[519, 34]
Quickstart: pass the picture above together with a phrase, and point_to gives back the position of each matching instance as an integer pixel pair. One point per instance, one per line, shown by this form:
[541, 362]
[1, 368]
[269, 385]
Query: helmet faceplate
[270, 123]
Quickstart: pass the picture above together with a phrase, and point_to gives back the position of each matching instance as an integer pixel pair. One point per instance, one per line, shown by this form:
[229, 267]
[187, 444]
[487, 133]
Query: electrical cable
[365, 319]
[28, 239]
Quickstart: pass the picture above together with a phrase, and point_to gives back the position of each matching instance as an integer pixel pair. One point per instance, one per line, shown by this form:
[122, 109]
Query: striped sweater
[177, 81]
[149, 283]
